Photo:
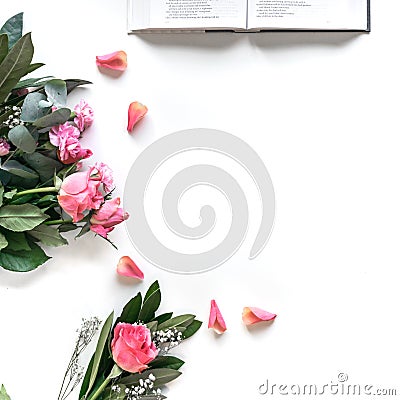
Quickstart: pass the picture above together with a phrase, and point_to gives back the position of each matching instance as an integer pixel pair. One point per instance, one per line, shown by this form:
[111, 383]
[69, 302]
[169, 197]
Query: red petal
[127, 267]
[253, 315]
[216, 320]
[136, 112]
[116, 61]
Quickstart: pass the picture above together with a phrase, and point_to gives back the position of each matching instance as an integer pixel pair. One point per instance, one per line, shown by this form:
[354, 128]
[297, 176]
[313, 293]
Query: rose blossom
[104, 173]
[4, 147]
[78, 193]
[132, 348]
[84, 115]
[63, 131]
[104, 220]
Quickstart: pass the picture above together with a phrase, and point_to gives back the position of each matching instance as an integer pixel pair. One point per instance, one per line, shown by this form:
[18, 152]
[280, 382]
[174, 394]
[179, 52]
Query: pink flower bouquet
[45, 189]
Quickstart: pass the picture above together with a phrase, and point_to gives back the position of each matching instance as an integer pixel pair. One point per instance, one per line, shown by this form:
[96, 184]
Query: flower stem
[59, 222]
[37, 190]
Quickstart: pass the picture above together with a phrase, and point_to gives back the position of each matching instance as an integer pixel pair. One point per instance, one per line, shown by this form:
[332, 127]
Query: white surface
[322, 111]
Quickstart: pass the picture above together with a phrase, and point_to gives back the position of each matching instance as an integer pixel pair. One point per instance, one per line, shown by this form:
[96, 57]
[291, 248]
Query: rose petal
[136, 112]
[216, 320]
[116, 61]
[127, 267]
[253, 315]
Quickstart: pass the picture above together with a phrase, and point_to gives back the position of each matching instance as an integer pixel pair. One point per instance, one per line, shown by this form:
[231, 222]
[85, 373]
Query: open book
[247, 15]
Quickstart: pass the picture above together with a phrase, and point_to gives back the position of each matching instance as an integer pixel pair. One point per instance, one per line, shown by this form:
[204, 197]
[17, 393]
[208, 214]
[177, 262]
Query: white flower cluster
[166, 340]
[144, 389]
[15, 118]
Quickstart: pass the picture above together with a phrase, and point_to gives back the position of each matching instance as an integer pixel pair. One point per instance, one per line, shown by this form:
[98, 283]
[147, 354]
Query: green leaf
[163, 317]
[3, 47]
[3, 241]
[48, 235]
[192, 329]
[20, 218]
[167, 362]
[105, 331]
[56, 91]
[16, 168]
[3, 394]
[13, 28]
[10, 194]
[23, 261]
[15, 65]
[32, 82]
[1, 194]
[34, 67]
[67, 227]
[74, 83]
[181, 320]
[151, 302]
[152, 326]
[57, 117]
[131, 310]
[17, 241]
[46, 167]
[85, 382]
[163, 376]
[21, 138]
[30, 108]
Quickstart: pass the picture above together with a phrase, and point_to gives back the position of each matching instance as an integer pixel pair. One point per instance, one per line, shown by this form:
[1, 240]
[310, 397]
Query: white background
[321, 109]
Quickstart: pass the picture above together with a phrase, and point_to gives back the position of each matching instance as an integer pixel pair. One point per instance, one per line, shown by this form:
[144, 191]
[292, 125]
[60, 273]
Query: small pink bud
[127, 267]
[136, 112]
[253, 315]
[216, 320]
[116, 61]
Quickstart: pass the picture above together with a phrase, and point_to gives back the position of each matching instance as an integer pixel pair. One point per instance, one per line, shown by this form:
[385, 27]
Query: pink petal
[136, 112]
[127, 267]
[116, 61]
[252, 315]
[216, 320]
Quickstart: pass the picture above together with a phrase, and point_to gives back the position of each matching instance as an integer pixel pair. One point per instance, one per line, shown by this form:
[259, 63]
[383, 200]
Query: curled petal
[116, 61]
[216, 321]
[127, 267]
[136, 112]
[252, 315]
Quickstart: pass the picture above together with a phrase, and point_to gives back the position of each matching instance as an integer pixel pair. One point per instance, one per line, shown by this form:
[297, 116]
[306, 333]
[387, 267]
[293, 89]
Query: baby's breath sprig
[165, 340]
[145, 389]
[74, 372]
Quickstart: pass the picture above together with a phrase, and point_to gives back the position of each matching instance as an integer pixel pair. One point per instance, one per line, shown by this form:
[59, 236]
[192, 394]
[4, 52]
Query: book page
[308, 14]
[187, 14]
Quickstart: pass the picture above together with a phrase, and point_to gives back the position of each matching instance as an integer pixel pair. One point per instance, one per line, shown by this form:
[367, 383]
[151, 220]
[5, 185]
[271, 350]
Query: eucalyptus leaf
[46, 167]
[57, 117]
[23, 261]
[21, 138]
[1, 194]
[3, 46]
[15, 65]
[101, 344]
[56, 91]
[13, 28]
[151, 303]
[3, 394]
[32, 82]
[20, 218]
[179, 321]
[67, 227]
[48, 235]
[3, 241]
[30, 108]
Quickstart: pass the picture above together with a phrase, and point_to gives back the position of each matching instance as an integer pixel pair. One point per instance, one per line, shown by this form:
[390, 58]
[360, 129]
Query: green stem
[99, 391]
[59, 222]
[37, 190]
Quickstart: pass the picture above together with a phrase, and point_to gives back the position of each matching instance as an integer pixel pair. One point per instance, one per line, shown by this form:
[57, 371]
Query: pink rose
[78, 194]
[63, 131]
[104, 220]
[104, 173]
[4, 147]
[84, 115]
[132, 348]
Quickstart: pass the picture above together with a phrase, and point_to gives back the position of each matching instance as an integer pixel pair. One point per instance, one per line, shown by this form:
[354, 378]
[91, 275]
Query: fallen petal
[216, 321]
[252, 315]
[116, 61]
[136, 112]
[127, 267]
